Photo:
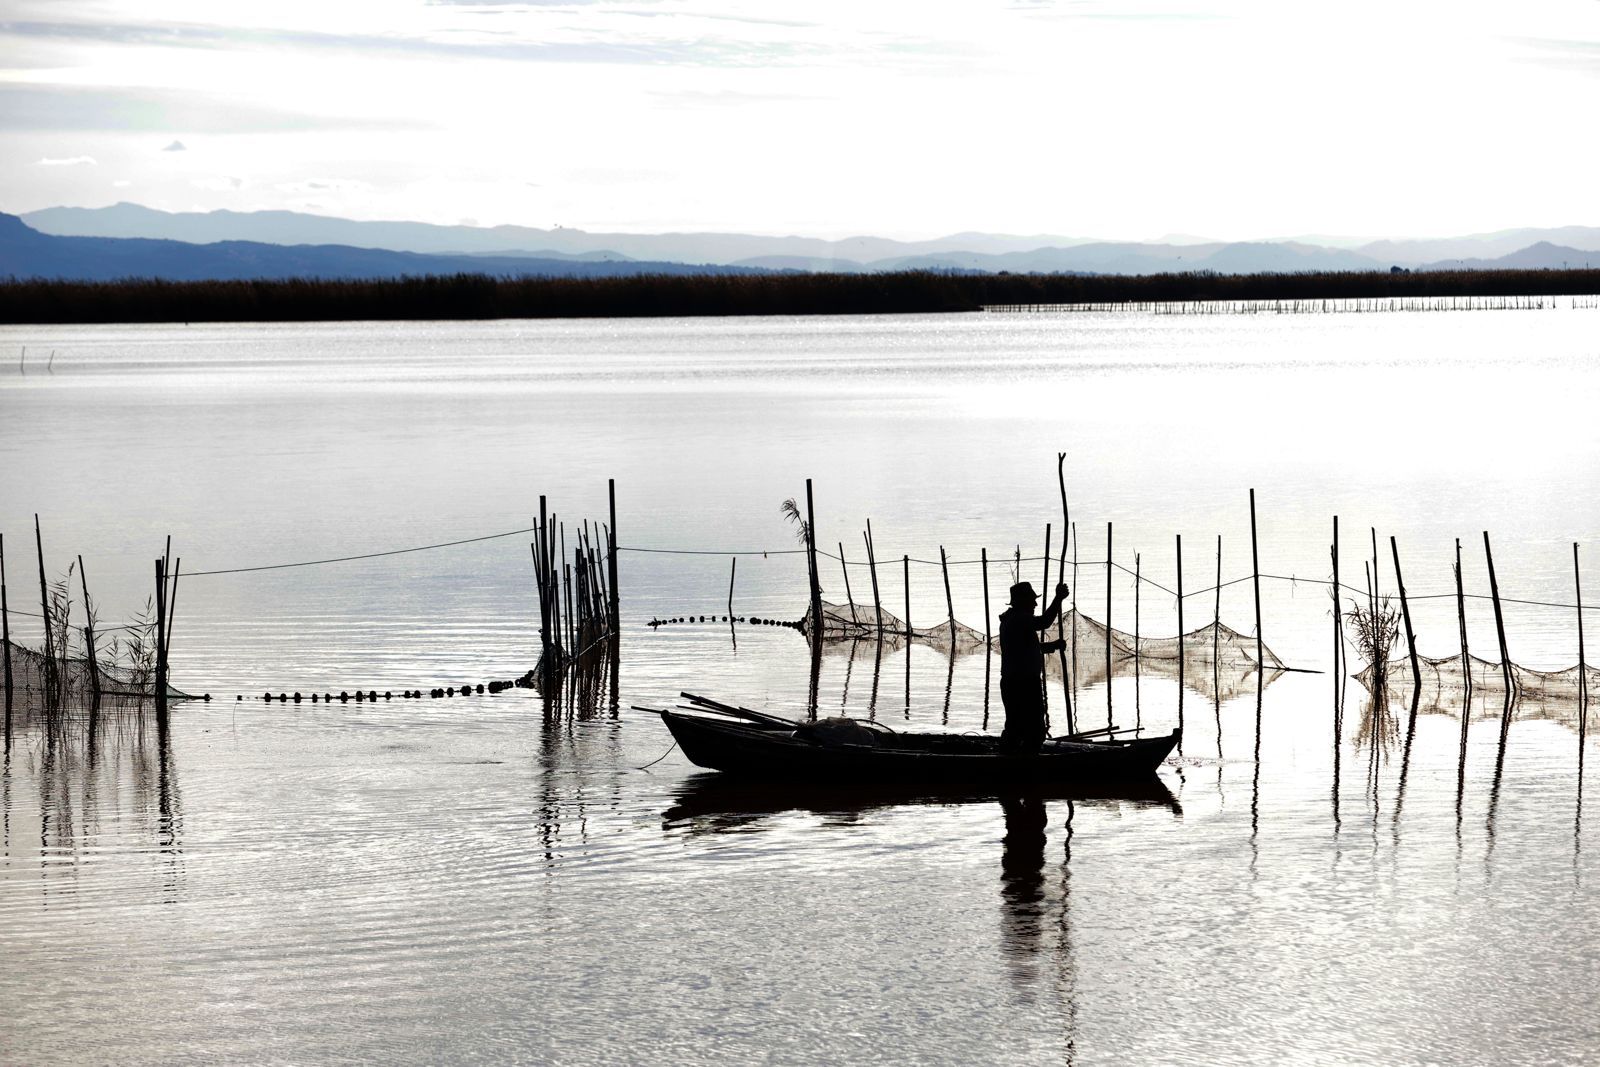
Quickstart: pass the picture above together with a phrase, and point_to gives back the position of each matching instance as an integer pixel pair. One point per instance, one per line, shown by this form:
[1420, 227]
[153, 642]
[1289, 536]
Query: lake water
[496, 878]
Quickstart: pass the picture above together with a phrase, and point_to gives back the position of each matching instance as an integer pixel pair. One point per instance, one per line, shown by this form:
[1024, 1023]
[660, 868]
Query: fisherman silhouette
[1022, 666]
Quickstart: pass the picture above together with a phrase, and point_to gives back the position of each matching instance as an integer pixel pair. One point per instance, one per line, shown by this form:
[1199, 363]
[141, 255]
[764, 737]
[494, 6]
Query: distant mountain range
[126, 239]
[27, 253]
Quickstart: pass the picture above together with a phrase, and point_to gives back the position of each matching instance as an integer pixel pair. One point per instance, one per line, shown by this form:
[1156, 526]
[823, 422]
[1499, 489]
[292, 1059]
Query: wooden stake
[1045, 591]
[611, 558]
[541, 574]
[1138, 582]
[950, 607]
[1583, 678]
[732, 571]
[848, 596]
[51, 682]
[172, 605]
[1405, 614]
[905, 568]
[1108, 624]
[1255, 572]
[1338, 638]
[5, 622]
[161, 651]
[88, 631]
[1466, 672]
[811, 554]
[1505, 656]
[872, 568]
[984, 559]
[1180, 630]
[1216, 629]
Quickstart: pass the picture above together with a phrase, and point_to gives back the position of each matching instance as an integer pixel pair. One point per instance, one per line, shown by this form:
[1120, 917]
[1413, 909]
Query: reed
[481, 296]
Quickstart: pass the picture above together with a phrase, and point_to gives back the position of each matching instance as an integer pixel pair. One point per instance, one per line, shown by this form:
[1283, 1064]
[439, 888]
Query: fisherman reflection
[1022, 918]
[1022, 666]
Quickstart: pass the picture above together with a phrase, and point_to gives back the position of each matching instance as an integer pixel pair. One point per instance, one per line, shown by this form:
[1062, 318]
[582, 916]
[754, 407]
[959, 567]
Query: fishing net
[30, 673]
[1445, 682]
[1215, 659]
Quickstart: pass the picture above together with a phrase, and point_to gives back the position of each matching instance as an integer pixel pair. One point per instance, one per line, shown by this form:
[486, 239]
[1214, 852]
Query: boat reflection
[712, 803]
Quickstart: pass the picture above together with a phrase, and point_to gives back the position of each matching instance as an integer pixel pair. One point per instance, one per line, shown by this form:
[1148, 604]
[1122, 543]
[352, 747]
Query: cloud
[312, 186]
[71, 161]
[123, 108]
[176, 146]
[218, 184]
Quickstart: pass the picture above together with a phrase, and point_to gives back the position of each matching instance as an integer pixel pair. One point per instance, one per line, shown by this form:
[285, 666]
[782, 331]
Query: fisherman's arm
[1048, 619]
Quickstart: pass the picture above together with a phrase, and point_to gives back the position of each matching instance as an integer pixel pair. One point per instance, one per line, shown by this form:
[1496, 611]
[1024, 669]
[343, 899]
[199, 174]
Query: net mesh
[30, 673]
[1214, 659]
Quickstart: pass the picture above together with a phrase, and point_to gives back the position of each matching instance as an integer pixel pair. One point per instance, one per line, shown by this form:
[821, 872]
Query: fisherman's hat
[1023, 593]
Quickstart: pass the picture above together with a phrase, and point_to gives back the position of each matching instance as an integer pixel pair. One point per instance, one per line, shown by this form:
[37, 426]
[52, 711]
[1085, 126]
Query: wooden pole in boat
[811, 553]
[1505, 656]
[949, 604]
[1108, 624]
[732, 571]
[848, 596]
[88, 631]
[1255, 573]
[872, 568]
[1583, 678]
[611, 560]
[1405, 614]
[1466, 673]
[1045, 590]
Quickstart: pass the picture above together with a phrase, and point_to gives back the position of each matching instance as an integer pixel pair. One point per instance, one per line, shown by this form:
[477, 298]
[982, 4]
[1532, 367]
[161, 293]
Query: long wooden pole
[1138, 582]
[541, 573]
[872, 568]
[88, 631]
[172, 605]
[611, 558]
[50, 680]
[1338, 641]
[1505, 655]
[161, 650]
[1466, 672]
[1255, 574]
[905, 570]
[1061, 653]
[1045, 591]
[1179, 538]
[1583, 677]
[5, 620]
[1109, 557]
[732, 571]
[1405, 615]
[848, 596]
[811, 554]
[983, 556]
[1216, 628]
[950, 607]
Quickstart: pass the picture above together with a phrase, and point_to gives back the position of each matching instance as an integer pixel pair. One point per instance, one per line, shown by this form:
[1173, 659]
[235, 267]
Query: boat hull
[750, 750]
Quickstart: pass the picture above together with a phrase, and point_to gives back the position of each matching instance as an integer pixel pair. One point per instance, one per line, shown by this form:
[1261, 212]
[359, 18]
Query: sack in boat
[838, 731]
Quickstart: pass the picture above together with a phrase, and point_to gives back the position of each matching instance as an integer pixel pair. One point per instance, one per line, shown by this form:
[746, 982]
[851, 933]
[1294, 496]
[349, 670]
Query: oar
[738, 712]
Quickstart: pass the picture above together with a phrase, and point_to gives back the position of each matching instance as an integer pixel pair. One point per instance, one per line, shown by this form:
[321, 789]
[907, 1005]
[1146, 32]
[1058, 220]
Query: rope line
[364, 555]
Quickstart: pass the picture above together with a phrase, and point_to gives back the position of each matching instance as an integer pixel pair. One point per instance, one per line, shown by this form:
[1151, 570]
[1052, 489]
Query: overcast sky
[1093, 119]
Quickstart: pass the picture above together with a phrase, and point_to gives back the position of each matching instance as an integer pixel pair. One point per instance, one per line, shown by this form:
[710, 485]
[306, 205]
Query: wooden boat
[738, 741]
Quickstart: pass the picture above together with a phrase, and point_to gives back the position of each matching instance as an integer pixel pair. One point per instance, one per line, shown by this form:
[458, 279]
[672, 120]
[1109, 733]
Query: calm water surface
[497, 879]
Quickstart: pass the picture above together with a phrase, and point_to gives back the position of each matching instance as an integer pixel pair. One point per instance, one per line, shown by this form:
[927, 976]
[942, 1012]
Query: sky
[1112, 120]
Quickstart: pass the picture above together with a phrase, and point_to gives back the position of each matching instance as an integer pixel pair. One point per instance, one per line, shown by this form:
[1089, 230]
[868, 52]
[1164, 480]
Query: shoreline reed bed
[481, 296]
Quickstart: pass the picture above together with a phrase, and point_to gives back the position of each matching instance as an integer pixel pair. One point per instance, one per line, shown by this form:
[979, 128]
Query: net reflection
[103, 777]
